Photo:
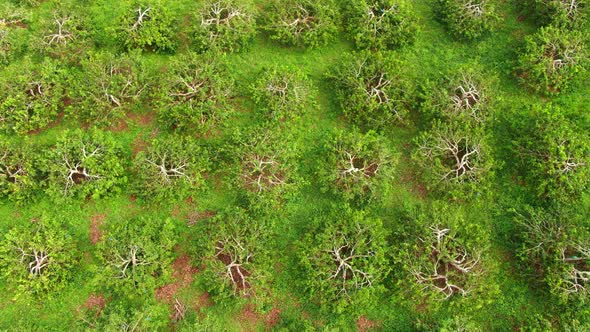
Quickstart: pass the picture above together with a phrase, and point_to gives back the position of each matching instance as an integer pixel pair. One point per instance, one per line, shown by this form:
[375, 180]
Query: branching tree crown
[136, 254]
[345, 261]
[37, 256]
[63, 34]
[109, 87]
[566, 13]
[556, 248]
[171, 167]
[148, 25]
[358, 166]
[17, 172]
[467, 19]
[195, 93]
[31, 97]
[369, 90]
[553, 59]
[282, 93]
[225, 25]
[554, 155]
[301, 22]
[381, 24]
[454, 159]
[84, 164]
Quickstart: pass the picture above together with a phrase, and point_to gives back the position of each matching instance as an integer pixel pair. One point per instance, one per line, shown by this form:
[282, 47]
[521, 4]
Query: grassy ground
[513, 305]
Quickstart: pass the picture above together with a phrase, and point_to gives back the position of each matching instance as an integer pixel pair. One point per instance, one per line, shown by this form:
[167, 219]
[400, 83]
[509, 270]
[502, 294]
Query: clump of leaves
[17, 171]
[381, 24]
[467, 19]
[567, 13]
[225, 25]
[309, 23]
[553, 59]
[37, 256]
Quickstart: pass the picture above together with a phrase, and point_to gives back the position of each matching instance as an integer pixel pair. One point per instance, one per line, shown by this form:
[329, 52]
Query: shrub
[357, 166]
[171, 167]
[553, 59]
[148, 25]
[566, 13]
[467, 19]
[381, 24]
[309, 23]
[195, 93]
[108, 87]
[63, 34]
[225, 25]
[17, 172]
[369, 91]
[282, 93]
[84, 164]
[13, 20]
[37, 256]
[31, 97]
[136, 254]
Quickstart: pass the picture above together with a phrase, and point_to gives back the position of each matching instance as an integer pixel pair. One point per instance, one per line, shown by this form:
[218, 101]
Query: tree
[467, 19]
[12, 22]
[31, 97]
[37, 256]
[225, 25]
[358, 166]
[566, 13]
[555, 248]
[308, 23]
[235, 255]
[195, 93]
[553, 155]
[17, 172]
[282, 93]
[109, 87]
[454, 159]
[63, 35]
[381, 24]
[553, 59]
[443, 253]
[345, 260]
[84, 164]
[125, 318]
[171, 167]
[369, 90]
[463, 96]
[136, 255]
[148, 25]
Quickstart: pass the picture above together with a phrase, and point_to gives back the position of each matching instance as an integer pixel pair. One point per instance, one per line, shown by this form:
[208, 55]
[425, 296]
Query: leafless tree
[142, 14]
[233, 252]
[353, 168]
[301, 21]
[447, 264]
[36, 260]
[10, 170]
[179, 311]
[563, 56]
[169, 169]
[128, 260]
[262, 173]
[577, 278]
[76, 172]
[61, 34]
[467, 98]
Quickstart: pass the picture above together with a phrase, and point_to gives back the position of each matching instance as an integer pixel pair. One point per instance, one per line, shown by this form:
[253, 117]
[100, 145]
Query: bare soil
[363, 324]
[95, 227]
[183, 277]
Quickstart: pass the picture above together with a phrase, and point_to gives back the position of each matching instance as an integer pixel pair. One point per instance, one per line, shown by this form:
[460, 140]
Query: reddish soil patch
[133, 198]
[95, 224]
[363, 324]
[415, 186]
[138, 145]
[203, 301]
[272, 318]
[121, 125]
[143, 120]
[249, 318]
[194, 217]
[94, 304]
[183, 277]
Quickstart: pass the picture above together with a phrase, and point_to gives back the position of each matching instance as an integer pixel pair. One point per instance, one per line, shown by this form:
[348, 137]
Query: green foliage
[344, 259]
[136, 254]
[13, 20]
[17, 172]
[309, 23]
[84, 164]
[381, 24]
[566, 13]
[148, 25]
[31, 95]
[124, 318]
[171, 167]
[359, 167]
[553, 59]
[282, 93]
[235, 254]
[556, 249]
[37, 256]
[225, 25]
[370, 89]
[467, 19]
[553, 155]
[454, 159]
[108, 87]
[195, 93]
[442, 257]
